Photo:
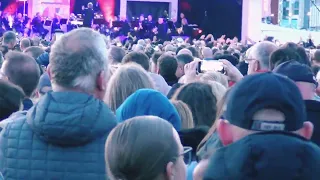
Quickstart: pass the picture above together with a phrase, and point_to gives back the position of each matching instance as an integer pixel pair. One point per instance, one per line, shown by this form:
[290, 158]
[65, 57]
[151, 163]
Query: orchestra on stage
[163, 28]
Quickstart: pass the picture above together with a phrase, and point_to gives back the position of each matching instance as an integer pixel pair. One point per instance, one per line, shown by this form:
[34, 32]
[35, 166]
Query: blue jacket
[61, 137]
[148, 102]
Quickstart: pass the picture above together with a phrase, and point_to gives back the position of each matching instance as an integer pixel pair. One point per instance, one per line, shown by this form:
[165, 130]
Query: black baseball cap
[296, 71]
[265, 91]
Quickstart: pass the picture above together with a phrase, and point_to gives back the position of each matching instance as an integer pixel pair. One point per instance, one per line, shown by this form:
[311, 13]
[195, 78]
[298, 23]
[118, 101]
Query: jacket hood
[148, 102]
[267, 155]
[70, 118]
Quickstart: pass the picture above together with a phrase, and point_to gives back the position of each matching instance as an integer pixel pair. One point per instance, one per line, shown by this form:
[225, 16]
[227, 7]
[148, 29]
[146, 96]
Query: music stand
[99, 21]
[117, 24]
[63, 21]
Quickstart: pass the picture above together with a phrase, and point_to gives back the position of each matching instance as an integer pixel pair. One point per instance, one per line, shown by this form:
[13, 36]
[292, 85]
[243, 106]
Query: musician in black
[18, 23]
[71, 26]
[55, 23]
[150, 24]
[162, 30]
[5, 22]
[88, 14]
[37, 24]
[142, 27]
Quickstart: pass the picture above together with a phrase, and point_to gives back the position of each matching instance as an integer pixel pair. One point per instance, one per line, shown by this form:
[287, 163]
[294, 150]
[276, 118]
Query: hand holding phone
[205, 66]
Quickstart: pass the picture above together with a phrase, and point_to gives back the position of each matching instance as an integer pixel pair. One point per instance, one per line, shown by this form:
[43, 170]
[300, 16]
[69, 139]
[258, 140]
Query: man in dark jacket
[303, 77]
[63, 135]
[264, 129]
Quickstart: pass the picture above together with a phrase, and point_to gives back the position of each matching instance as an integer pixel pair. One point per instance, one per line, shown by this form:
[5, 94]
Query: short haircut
[34, 51]
[125, 81]
[22, 70]
[317, 56]
[283, 55]
[11, 98]
[116, 54]
[180, 48]
[9, 37]
[155, 57]
[77, 58]
[231, 58]
[167, 65]
[184, 58]
[137, 57]
[262, 52]
[195, 52]
[25, 42]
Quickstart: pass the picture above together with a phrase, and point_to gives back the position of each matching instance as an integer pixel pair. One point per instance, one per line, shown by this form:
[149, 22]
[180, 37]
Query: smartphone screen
[205, 66]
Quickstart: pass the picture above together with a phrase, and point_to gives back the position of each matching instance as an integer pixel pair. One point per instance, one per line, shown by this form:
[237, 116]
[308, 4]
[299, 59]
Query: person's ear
[224, 129]
[170, 171]
[101, 81]
[49, 71]
[307, 130]
[256, 65]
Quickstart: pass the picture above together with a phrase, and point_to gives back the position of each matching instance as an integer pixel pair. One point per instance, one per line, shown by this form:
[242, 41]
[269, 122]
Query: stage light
[272, 15]
[200, 31]
[135, 28]
[107, 8]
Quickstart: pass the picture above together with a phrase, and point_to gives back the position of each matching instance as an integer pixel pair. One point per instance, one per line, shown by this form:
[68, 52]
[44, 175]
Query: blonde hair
[215, 76]
[218, 89]
[184, 113]
[126, 80]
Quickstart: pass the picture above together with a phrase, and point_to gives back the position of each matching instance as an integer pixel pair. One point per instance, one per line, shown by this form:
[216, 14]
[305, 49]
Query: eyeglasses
[187, 154]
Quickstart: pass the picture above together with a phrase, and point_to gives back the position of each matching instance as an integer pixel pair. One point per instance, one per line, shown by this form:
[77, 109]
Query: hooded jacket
[313, 114]
[265, 156]
[148, 102]
[61, 137]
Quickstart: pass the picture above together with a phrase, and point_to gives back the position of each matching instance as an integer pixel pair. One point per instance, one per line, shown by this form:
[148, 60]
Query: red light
[200, 31]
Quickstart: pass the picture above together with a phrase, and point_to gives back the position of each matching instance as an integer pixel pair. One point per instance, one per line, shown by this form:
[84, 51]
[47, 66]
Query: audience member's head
[194, 51]
[154, 62]
[116, 55]
[145, 147]
[232, 59]
[263, 102]
[148, 102]
[9, 39]
[169, 48]
[11, 98]
[79, 62]
[34, 51]
[22, 70]
[207, 53]
[167, 65]
[283, 55]
[25, 43]
[137, 57]
[259, 55]
[218, 89]
[216, 77]
[299, 50]
[185, 51]
[302, 75]
[201, 101]
[316, 57]
[184, 113]
[183, 59]
[127, 79]
[35, 41]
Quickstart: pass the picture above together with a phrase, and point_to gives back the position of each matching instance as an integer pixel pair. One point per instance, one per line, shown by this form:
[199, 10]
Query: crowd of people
[84, 106]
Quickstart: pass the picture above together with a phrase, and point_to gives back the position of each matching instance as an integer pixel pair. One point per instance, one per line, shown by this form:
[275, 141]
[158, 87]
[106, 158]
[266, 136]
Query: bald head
[185, 51]
[261, 52]
[207, 53]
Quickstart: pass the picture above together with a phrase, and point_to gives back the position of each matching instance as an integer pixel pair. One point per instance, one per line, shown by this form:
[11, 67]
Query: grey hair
[262, 52]
[77, 58]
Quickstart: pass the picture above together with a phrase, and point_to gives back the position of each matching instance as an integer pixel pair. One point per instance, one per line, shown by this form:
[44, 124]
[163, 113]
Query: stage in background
[49, 7]
[156, 9]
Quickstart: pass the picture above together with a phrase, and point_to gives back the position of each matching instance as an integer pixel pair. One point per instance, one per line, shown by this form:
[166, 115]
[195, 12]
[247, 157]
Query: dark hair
[155, 57]
[300, 51]
[9, 36]
[201, 101]
[195, 52]
[317, 56]
[140, 148]
[25, 43]
[149, 51]
[180, 48]
[184, 58]
[137, 57]
[283, 55]
[231, 58]
[22, 70]
[167, 65]
[116, 54]
[11, 98]
[35, 51]
[315, 70]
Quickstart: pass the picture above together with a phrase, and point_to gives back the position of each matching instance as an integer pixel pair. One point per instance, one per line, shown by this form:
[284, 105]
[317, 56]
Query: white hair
[77, 58]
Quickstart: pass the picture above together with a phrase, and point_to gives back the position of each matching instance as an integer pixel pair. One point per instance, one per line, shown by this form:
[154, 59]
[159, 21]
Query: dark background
[156, 9]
